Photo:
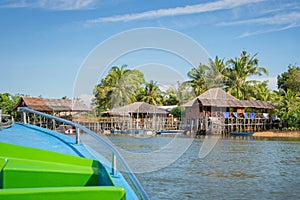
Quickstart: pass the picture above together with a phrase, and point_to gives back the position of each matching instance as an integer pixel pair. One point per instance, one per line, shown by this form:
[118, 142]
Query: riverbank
[278, 134]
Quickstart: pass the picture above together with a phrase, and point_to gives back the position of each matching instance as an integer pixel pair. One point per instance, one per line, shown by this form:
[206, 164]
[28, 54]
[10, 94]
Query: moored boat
[241, 133]
[170, 132]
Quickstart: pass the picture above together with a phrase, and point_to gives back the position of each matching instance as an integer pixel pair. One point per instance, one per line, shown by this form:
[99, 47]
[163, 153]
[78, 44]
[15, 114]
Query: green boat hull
[28, 173]
[66, 193]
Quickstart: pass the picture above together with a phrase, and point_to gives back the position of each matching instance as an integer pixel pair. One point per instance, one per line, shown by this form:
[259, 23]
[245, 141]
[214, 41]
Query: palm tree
[152, 94]
[288, 99]
[197, 74]
[288, 107]
[262, 92]
[217, 73]
[170, 97]
[239, 70]
[178, 95]
[118, 88]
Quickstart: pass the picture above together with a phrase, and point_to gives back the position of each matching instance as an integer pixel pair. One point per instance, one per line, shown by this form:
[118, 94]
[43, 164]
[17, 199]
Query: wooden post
[53, 122]
[77, 135]
[114, 165]
[24, 117]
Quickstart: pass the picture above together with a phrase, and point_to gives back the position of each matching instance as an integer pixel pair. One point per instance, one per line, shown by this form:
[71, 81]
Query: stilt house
[219, 112]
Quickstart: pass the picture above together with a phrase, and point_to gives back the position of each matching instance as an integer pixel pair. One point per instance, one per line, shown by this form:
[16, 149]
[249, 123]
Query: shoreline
[278, 134]
[264, 134]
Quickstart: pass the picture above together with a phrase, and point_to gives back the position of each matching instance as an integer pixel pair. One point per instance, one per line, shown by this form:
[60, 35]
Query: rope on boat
[5, 123]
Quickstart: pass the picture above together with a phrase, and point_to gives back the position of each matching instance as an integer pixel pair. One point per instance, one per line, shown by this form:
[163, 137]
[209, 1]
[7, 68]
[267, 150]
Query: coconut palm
[262, 92]
[288, 107]
[197, 76]
[217, 73]
[239, 70]
[152, 94]
[170, 97]
[178, 95]
[118, 88]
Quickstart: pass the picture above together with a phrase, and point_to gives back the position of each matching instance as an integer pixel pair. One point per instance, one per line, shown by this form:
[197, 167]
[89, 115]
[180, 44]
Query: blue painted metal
[142, 194]
[241, 133]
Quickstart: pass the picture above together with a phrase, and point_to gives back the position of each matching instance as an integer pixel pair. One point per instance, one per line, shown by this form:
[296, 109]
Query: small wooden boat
[241, 133]
[169, 132]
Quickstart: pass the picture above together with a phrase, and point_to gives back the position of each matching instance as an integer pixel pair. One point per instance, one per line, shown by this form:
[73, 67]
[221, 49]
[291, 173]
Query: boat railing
[115, 153]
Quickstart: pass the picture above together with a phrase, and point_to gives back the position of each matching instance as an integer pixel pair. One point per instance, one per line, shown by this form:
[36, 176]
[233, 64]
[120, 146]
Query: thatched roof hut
[218, 112]
[258, 104]
[136, 108]
[217, 97]
[52, 105]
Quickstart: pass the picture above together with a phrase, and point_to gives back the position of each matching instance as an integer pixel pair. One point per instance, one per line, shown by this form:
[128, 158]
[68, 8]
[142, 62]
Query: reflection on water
[235, 169]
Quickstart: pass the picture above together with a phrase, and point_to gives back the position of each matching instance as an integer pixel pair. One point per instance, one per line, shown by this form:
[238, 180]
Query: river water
[234, 169]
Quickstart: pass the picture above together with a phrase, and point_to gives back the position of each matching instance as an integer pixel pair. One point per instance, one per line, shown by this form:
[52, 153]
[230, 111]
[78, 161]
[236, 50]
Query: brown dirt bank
[292, 134]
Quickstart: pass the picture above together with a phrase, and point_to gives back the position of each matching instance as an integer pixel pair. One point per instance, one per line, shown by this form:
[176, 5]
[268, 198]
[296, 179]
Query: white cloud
[186, 10]
[279, 19]
[272, 81]
[67, 4]
[274, 23]
[52, 4]
[247, 34]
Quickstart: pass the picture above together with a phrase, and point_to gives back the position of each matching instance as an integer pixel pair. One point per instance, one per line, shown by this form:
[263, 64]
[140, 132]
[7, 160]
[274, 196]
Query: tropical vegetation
[7, 102]
[151, 93]
[122, 86]
[118, 88]
[234, 75]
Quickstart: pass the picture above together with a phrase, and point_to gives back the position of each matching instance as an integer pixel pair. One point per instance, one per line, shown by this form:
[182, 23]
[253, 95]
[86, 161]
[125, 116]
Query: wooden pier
[217, 112]
[100, 125]
[217, 123]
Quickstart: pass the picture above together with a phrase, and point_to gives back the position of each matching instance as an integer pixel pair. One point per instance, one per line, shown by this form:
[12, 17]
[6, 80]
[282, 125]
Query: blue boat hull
[241, 133]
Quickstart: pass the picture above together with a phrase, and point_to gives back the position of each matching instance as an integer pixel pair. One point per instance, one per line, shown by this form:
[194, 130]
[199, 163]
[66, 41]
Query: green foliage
[176, 112]
[118, 88]
[171, 97]
[258, 91]
[239, 69]
[288, 107]
[123, 86]
[288, 98]
[151, 94]
[217, 73]
[231, 75]
[178, 95]
[7, 102]
[198, 80]
[290, 79]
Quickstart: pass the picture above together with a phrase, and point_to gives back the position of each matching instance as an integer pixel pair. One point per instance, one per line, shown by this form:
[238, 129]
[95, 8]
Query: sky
[44, 43]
